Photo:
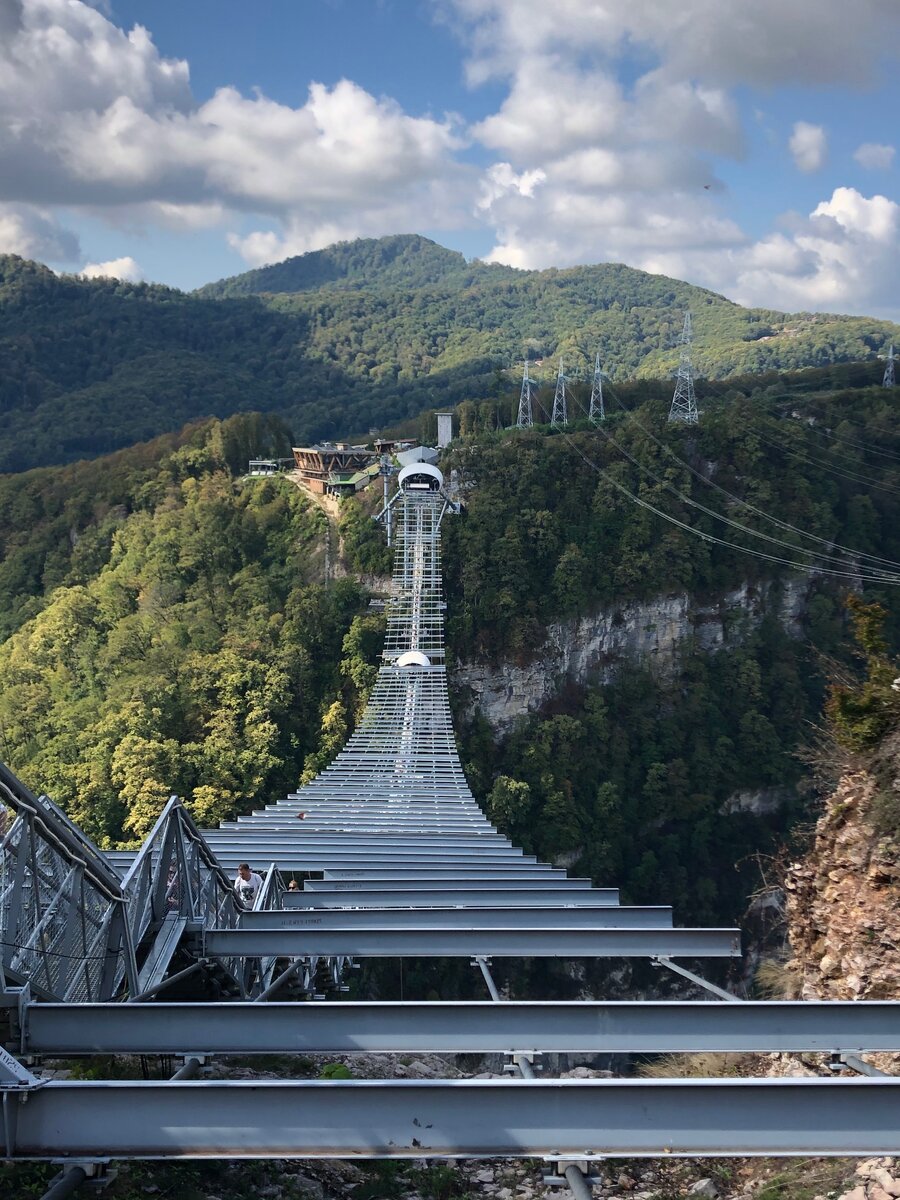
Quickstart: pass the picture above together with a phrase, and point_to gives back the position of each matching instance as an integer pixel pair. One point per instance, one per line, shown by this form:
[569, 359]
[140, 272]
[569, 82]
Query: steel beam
[574, 1118]
[364, 849]
[441, 897]
[464, 1027]
[598, 917]
[352, 866]
[378, 870]
[429, 883]
[369, 840]
[450, 943]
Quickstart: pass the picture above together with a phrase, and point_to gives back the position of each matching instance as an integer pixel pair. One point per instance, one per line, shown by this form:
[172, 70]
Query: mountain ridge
[376, 332]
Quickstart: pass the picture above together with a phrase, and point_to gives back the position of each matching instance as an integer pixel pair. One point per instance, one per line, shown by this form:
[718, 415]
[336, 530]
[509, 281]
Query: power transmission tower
[560, 415]
[889, 379]
[525, 419]
[597, 410]
[684, 402]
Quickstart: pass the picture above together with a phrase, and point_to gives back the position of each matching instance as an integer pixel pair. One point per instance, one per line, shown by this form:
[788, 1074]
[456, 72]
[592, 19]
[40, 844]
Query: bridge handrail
[63, 923]
[175, 871]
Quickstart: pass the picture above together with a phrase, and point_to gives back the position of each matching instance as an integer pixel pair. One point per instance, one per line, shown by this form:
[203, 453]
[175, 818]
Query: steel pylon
[889, 378]
[525, 417]
[597, 409]
[560, 415]
[684, 401]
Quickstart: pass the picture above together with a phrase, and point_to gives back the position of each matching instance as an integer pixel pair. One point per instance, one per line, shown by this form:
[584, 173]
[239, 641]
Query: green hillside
[361, 335]
[402, 261]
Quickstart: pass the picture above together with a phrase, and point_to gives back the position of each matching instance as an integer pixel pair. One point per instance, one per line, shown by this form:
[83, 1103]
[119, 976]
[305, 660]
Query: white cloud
[841, 258]
[35, 233]
[117, 268]
[582, 166]
[874, 156]
[97, 119]
[809, 146]
[552, 108]
[718, 42]
[633, 178]
[592, 207]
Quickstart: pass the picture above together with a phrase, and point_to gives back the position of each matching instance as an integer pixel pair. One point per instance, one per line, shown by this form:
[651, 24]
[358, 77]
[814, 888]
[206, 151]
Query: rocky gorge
[591, 649]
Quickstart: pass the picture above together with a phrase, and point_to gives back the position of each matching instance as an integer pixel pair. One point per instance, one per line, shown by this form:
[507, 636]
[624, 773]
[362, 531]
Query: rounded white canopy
[413, 658]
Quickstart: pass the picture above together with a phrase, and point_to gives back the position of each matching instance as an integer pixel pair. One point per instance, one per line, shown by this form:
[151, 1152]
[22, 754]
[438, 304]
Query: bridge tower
[525, 418]
[597, 410]
[889, 379]
[684, 401]
[560, 416]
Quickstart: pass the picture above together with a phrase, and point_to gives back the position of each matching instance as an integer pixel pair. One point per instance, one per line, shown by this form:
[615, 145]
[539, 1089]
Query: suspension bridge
[124, 953]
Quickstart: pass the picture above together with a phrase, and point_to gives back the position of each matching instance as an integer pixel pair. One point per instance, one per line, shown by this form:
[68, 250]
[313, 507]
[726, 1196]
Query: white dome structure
[413, 658]
[420, 477]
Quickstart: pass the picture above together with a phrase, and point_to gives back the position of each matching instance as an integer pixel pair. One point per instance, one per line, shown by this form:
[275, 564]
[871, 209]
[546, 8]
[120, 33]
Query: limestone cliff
[591, 649]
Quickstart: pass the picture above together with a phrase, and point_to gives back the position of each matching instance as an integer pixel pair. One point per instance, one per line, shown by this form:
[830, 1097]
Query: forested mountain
[360, 335]
[168, 626]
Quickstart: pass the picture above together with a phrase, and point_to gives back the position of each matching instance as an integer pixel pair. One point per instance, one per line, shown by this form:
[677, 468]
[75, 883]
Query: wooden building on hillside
[317, 463]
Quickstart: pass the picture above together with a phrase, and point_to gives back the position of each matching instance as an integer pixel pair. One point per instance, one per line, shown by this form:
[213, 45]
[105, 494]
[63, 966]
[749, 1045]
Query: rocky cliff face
[592, 648]
[843, 904]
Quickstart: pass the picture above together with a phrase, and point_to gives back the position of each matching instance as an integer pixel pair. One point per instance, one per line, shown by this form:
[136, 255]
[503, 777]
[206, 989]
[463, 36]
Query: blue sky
[746, 148]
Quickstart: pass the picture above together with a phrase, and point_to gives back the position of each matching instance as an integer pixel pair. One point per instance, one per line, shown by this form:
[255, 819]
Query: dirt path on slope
[335, 557]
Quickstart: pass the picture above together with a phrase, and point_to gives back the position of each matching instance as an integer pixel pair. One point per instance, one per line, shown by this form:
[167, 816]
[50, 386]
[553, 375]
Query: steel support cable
[707, 537]
[785, 525]
[864, 572]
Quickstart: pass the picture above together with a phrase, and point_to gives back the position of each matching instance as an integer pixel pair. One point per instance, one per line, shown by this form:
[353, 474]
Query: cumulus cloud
[633, 177]
[117, 268]
[714, 41]
[584, 162]
[539, 114]
[874, 156]
[839, 258]
[809, 146]
[35, 233]
[94, 117]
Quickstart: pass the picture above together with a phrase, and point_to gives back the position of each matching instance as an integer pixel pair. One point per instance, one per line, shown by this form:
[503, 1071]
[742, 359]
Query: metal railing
[63, 914]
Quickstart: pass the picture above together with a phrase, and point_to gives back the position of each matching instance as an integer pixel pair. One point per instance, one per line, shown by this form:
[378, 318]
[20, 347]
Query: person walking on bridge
[246, 885]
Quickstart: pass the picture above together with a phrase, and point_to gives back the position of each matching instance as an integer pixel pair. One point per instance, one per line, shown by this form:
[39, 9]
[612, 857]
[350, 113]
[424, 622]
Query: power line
[709, 537]
[843, 440]
[785, 525]
[855, 477]
[811, 460]
[865, 572]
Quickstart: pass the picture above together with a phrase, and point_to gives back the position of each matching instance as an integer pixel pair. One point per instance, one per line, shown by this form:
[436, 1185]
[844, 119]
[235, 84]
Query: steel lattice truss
[63, 912]
[395, 857]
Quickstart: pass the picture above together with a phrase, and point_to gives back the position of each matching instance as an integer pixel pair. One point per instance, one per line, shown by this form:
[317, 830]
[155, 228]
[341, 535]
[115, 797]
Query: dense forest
[167, 624]
[182, 637]
[360, 335]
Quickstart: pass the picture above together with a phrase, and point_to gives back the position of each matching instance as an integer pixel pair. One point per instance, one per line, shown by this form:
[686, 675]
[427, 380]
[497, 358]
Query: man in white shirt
[247, 883]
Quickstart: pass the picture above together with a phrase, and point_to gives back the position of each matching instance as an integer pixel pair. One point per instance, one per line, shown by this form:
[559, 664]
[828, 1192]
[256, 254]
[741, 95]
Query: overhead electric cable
[786, 525]
[710, 537]
[864, 572]
[867, 446]
[852, 476]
